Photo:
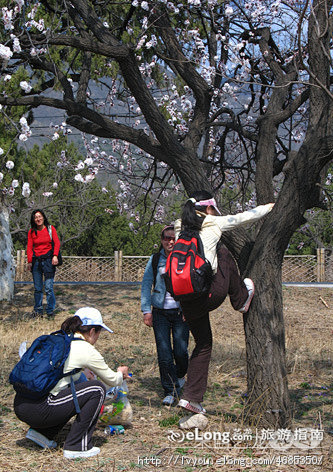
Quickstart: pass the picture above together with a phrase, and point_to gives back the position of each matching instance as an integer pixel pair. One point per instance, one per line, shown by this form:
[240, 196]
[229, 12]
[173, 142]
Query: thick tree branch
[175, 57]
[84, 78]
[84, 44]
[90, 121]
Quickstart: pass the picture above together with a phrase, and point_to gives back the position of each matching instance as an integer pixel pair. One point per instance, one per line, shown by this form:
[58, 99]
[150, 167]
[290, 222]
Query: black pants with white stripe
[50, 415]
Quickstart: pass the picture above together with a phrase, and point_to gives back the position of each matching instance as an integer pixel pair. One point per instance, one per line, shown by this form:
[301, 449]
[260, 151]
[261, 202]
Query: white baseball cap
[91, 316]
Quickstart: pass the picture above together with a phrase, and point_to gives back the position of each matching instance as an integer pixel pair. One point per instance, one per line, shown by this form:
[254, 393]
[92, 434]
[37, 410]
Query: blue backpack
[41, 366]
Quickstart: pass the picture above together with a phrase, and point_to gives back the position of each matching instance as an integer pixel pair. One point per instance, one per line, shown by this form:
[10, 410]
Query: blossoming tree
[230, 97]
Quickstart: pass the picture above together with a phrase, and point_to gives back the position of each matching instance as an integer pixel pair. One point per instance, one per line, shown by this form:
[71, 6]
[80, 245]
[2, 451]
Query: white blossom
[79, 178]
[55, 185]
[7, 17]
[228, 10]
[89, 178]
[16, 45]
[152, 42]
[15, 183]
[23, 121]
[1, 151]
[47, 194]
[25, 86]
[1, 176]
[80, 165]
[5, 52]
[40, 25]
[141, 42]
[26, 189]
[10, 165]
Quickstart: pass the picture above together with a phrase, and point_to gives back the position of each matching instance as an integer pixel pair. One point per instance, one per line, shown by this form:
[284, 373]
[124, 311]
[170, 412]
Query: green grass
[170, 421]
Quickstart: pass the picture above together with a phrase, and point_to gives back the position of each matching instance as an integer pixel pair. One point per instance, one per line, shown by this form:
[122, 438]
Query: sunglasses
[169, 238]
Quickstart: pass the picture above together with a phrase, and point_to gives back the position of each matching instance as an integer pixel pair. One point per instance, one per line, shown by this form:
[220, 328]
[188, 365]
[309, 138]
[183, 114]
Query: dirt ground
[155, 442]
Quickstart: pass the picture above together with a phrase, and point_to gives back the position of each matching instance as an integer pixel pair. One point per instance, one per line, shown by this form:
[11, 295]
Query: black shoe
[36, 314]
[50, 316]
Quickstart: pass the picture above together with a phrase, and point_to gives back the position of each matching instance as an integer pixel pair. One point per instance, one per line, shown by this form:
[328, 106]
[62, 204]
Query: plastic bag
[117, 408]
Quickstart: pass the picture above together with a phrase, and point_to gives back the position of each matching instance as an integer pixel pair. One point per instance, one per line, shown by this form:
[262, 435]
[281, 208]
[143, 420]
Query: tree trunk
[268, 398]
[7, 269]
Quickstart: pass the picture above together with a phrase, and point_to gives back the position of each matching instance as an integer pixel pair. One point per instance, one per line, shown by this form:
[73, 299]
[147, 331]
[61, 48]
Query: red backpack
[187, 273]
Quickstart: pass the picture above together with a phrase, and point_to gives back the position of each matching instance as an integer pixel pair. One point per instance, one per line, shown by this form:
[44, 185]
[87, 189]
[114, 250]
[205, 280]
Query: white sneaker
[168, 400]
[181, 382]
[250, 289]
[81, 454]
[40, 439]
[195, 407]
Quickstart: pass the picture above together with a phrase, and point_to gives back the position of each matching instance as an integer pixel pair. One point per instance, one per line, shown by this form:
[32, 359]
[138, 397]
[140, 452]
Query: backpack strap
[154, 263]
[49, 229]
[74, 371]
[71, 373]
[194, 234]
[76, 402]
[201, 250]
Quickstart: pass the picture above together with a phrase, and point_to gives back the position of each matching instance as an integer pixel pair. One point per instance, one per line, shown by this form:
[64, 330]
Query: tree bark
[7, 269]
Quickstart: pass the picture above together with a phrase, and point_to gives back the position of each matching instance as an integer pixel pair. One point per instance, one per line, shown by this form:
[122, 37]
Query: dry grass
[309, 328]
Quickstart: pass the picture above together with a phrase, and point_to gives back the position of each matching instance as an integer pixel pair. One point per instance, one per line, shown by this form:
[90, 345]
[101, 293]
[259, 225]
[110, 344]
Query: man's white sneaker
[81, 454]
[250, 289]
[40, 439]
[194, 407]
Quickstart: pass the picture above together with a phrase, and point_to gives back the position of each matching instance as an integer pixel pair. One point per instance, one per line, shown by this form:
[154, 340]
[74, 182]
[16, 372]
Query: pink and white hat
[209, 202]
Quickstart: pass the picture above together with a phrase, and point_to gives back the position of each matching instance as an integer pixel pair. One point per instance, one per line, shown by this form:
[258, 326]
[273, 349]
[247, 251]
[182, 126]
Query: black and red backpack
[187, 273]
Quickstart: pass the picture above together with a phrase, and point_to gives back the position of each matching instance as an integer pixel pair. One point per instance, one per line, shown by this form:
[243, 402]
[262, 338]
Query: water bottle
[114, 394]
[114, 429]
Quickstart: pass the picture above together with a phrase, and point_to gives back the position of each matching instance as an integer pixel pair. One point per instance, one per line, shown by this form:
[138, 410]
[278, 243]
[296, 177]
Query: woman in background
[42, 253]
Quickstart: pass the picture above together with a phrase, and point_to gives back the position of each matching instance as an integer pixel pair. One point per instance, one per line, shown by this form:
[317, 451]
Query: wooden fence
[120, 268]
